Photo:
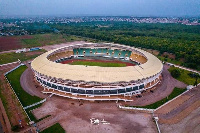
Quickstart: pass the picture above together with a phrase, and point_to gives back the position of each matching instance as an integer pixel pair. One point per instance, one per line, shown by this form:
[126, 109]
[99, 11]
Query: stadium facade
[94, 82]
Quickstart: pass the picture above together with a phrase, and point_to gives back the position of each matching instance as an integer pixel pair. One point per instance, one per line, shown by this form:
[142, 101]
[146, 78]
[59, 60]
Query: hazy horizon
[142, 8]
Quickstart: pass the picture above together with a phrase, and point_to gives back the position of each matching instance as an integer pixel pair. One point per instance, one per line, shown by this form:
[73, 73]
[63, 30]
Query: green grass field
[184, 77]
[14, 79]
[56, 128]
[25, 98]
[175, 92]
[101, 64]
[12, 57]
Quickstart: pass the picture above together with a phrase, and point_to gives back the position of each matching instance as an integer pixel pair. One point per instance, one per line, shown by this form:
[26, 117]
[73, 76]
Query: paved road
[185, 68]
[163, 90]
[50, 47]
[29, 85]
[7, 51]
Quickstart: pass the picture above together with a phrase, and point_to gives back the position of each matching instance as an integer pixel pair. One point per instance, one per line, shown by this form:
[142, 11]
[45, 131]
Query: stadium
[97, 71]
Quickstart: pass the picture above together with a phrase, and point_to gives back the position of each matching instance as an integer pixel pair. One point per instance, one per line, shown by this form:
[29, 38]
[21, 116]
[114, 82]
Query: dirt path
[9, 51]
[163, 90]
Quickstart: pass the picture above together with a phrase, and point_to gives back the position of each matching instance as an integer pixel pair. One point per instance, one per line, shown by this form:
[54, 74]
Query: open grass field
[39, 40]
[184, 77]
[43, 39]
[175, 92]
[25, 98]
[56, 128]
[12, 57]
[14, 79]
[101, 64]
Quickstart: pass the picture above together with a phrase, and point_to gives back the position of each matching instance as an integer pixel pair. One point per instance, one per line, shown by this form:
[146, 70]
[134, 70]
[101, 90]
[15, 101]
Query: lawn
[184, 77]
[25, 98]
[56, 128]
[14, 79]
[101, 64]
[12, 57]
[175, 92]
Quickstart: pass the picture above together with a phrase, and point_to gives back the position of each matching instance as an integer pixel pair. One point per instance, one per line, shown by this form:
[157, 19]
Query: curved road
[29, 85]
[167, 85]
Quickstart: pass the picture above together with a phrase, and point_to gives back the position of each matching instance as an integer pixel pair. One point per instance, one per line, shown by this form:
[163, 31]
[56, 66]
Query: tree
[175, 73]
[196, 81]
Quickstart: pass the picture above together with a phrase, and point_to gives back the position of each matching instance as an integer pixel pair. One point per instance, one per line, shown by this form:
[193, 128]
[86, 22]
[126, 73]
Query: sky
[100, 7]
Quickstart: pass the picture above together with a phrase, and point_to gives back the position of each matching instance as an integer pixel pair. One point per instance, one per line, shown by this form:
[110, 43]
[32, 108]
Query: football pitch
[101, 64]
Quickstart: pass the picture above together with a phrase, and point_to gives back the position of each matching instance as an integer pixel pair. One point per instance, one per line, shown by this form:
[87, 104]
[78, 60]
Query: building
[94, 82]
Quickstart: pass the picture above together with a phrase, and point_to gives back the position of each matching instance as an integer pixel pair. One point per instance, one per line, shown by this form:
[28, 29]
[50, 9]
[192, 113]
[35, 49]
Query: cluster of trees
[175, 73]
[181, 40]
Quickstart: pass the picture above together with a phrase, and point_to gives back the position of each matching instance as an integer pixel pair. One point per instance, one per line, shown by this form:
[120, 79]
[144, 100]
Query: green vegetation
[166, 59]
[14, 79]
[56, 128]
[101, 64]
[30, 114]
[12, 57]
[25, 98]
[175, 73]
[184, 76]
[48, 39]
[15, 128]
[175, 92]
[181, 40]
[43, 39]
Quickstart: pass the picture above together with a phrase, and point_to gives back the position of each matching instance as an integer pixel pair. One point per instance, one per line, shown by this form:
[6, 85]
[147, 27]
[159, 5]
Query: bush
[193, 75]
[15, 128]
[175, 73]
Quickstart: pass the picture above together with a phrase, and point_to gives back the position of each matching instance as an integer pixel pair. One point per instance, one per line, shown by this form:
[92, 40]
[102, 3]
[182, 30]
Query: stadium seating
[138, 58]
[116, 53]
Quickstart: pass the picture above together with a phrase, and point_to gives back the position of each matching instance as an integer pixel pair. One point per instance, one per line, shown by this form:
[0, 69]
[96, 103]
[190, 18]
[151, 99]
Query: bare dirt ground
[190, 124]
[51, 47]
[171, 56]
[162, 90]
[8, 43]
[93, 60]
[180, 108]
[33, 53]
[70, 114]
[12, 42]
[15, 112]
[75, 117]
